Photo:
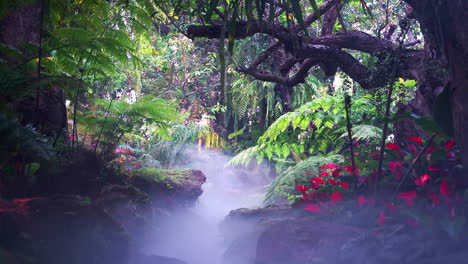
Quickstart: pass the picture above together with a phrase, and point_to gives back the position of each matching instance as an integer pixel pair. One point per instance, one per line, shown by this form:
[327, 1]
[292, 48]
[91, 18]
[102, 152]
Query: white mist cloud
[193, 234]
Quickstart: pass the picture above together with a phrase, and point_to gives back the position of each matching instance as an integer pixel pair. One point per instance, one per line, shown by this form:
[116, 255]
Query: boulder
[283, 234]
[152, 259]
[169, 188]
[62, 229]
[128, 206]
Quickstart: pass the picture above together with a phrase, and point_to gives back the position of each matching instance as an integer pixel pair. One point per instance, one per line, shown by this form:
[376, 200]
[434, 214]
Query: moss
[170, 177]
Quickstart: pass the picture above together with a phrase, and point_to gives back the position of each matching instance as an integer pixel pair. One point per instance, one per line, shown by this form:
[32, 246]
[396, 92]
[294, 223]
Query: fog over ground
[193, 235]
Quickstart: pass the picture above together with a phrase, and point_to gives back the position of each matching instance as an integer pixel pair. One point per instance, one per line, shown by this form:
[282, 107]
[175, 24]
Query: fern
[285, 183]
[364, 132]
[24, 140]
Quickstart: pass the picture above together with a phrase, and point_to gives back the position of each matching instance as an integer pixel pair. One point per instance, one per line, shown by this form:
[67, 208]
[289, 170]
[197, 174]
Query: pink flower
[381, 220]
[396, 167]
[449, 144]
[350, 170]
[416, 139]
[422, 181]
[313, 208]
[301, 188]
[394, 147]
[344, 185]
[336, 172]
[361, 200]
[316, 182]
[408, 197]
[430, 150]
[336, 197]
[444, 189]
[450, 156]
[329, 166]
[125, 151]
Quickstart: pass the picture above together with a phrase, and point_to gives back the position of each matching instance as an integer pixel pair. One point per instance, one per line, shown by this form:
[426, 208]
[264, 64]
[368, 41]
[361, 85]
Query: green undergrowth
[170, 177]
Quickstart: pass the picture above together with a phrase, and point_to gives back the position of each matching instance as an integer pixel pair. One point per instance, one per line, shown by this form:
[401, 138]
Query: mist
[193, 234]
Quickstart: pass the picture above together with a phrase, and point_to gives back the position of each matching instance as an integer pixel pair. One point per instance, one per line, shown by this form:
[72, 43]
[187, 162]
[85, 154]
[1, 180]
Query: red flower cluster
[124, 151]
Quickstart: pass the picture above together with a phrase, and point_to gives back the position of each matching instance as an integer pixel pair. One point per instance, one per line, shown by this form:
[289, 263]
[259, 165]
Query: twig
[412, 166]
[350, 136]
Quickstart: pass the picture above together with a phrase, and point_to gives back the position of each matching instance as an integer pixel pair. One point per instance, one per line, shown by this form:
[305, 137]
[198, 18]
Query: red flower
[381, 220]
[344, 185]
[411, 222]
[329, 166]
[408, 197]
[313, 208]
[332, 182]
[444, 189]
[350, 170]
[394, 147]
[336, 197]
[416, 139]
[434, 168]
[421, 181]
[396, 167]
[316, 182]
[323, 174]
[430, 150]
[361, 200]
[435, 199]
[301, 188]
[449, 144]
[124, 151]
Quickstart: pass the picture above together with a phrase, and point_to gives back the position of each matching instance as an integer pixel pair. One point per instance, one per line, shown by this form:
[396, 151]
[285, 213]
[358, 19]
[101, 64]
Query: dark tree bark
[46, 109]
[443, 82]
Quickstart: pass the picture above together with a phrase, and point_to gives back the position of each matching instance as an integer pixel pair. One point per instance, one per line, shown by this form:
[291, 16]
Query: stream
[193, 234]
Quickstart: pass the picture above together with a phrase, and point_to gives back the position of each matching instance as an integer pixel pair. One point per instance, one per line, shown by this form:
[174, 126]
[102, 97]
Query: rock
[283, 234]
[169, 188]
[63, 229]
[295, 241]
[151, 259]
[128, 206]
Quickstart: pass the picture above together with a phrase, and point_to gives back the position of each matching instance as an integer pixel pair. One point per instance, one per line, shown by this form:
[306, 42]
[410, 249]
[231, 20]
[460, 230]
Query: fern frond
[286, 181]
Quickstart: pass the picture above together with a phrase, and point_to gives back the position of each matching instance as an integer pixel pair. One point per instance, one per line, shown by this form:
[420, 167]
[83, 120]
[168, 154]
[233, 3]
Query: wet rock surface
[62, 229]
[282, 234]
[169, 188]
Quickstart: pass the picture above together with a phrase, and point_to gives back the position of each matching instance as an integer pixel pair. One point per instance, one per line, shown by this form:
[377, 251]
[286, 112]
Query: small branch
[412, 166]
[350, 136]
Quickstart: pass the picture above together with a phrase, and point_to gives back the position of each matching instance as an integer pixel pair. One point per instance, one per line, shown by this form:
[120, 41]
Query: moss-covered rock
[169, 188]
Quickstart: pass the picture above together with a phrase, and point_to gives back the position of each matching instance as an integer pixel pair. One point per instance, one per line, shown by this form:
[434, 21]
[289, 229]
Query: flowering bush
[423, 180]
[126, 160]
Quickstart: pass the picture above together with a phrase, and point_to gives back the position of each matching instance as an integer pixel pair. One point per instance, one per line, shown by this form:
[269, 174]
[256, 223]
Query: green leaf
[32, 168]
[211, 8]
[296, 6]
[314, 5]
[235, 134]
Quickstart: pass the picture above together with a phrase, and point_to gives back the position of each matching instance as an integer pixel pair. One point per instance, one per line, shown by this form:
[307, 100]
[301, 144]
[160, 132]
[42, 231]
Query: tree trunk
[46, 109]
[443, 87]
